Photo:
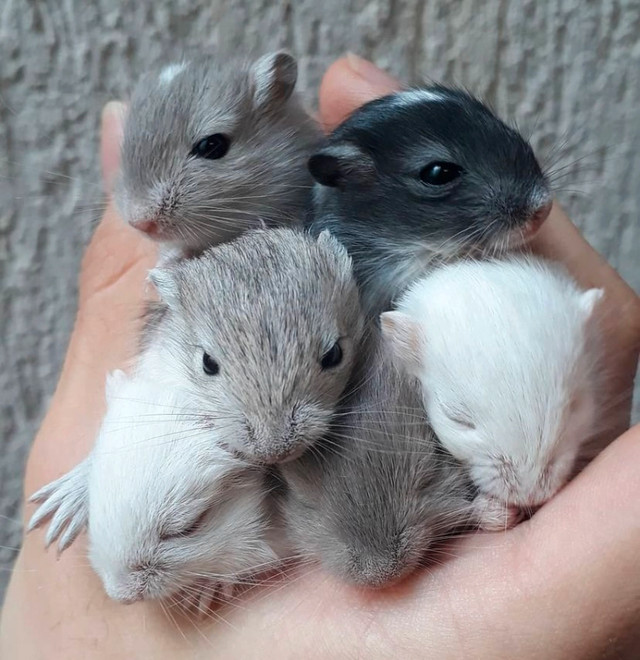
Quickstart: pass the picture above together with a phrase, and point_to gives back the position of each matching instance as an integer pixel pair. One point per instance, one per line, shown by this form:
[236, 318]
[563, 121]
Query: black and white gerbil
[168, 512]
[507, 353]
[262, 332]
[371, 500]
[212, 148]
[420, 176]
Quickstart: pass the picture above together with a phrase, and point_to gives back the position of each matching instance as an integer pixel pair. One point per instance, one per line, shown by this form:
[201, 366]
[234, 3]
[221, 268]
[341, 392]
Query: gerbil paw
[493, 515]
[64, 504]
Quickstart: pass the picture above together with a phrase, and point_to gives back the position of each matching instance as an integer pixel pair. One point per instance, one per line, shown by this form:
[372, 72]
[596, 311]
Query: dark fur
[391, 222]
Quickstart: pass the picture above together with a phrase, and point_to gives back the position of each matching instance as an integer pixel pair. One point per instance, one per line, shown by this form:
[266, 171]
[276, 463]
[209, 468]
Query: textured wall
[566, 70]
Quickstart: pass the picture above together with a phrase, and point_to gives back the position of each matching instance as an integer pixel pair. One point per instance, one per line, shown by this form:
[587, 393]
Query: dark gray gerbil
[213, 147]
[262, 332]
[421, 175]
[371, 500]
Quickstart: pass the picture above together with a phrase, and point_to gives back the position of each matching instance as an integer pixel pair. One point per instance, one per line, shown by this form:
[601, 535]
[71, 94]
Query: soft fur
[370, 195]
[195, 202]
[266, 307]
[371, 499]
[155, 470]
[506, 354]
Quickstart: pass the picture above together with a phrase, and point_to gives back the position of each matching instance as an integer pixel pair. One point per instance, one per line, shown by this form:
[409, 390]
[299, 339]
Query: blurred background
[567, 71]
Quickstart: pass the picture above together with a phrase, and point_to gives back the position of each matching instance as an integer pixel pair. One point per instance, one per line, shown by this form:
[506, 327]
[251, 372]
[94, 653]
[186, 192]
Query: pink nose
[535, 221]
[149, 227]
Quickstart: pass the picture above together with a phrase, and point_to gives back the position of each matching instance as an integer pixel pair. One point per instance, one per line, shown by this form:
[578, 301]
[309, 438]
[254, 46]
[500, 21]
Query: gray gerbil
[262, 332]
[212, 148]
[372, 499]
[422, 175]
[170, 514]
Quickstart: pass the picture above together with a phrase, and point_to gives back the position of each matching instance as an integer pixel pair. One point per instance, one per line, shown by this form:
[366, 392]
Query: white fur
[507, 370]
[413, 96]
[170, 72]
[155, 468]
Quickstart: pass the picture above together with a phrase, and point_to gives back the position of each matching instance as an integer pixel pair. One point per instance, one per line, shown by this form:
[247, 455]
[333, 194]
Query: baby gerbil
[212, 148]
[371, 499]
[168, 511]
[423, 175]
[506, 352]
[262, 333]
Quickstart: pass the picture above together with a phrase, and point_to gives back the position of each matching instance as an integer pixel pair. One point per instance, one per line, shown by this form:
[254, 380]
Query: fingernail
[112, 120]
[370, 72]
[113, 110]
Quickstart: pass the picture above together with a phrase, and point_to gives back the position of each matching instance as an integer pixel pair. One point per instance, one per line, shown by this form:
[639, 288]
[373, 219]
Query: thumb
[110, 305]
[348, 83]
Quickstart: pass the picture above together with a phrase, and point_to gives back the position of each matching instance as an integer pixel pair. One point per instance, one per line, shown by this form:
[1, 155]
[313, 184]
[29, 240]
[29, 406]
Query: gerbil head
[168, 508]
[371, 501]
[211, 147]
[267, 329]
[439, 164]
[507, 373]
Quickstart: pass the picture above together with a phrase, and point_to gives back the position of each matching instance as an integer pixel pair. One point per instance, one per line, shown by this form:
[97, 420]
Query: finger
[348, 83]
[618, 315]
[110, 305]
[111, 140]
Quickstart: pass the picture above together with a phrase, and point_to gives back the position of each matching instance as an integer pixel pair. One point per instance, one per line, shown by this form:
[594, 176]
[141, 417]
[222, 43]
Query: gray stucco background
[566, 70]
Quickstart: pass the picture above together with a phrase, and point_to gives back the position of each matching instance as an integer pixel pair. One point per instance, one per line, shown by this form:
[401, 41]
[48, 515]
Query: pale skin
[563, 585]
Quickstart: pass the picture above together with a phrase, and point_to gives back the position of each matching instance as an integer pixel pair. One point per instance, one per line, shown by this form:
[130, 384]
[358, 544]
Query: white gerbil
[213, 148]
[507, 355]
[168, 511]
[262, 332]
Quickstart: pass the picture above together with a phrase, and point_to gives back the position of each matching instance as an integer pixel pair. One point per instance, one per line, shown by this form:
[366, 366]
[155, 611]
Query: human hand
[564, 584]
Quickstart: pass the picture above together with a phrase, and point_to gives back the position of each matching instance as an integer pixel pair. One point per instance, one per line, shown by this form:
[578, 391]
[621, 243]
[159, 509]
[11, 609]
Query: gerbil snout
[375, 570]
[285, 439]
[141, 582]
[539, 215]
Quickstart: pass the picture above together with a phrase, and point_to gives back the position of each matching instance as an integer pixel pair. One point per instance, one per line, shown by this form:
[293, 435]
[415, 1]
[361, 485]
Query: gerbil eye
[333, 357]
[459, 417]
[209, 365]
[440, 173]
[186, 531]
[212, 147]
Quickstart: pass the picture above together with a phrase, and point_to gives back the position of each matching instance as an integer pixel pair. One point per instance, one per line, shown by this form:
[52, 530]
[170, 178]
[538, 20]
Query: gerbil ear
[340, 164]
[402, 335]
[327, 240]
[115, 381]
[274, 78]
[589, 299]
[166, 283]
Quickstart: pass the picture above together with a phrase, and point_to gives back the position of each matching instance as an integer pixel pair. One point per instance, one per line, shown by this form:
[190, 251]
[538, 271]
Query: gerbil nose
[375, 571]
[538, 217]
[149, 227]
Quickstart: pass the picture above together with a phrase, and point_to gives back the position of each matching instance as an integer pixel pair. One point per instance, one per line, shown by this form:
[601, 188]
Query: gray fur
[196, 202]
[375, 496]
[266, 307]
[370, 194]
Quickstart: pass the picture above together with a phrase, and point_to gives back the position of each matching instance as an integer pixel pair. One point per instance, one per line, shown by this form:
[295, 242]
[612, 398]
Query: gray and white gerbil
[262, 332]
[169, 513]
[372, 499]
[214, 147]
[420, 176]
[507, 353]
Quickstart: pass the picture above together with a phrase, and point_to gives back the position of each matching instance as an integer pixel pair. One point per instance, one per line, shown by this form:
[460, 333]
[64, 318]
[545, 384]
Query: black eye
[332, 358]
[440, 173]
[209, 365]
[212, 147]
